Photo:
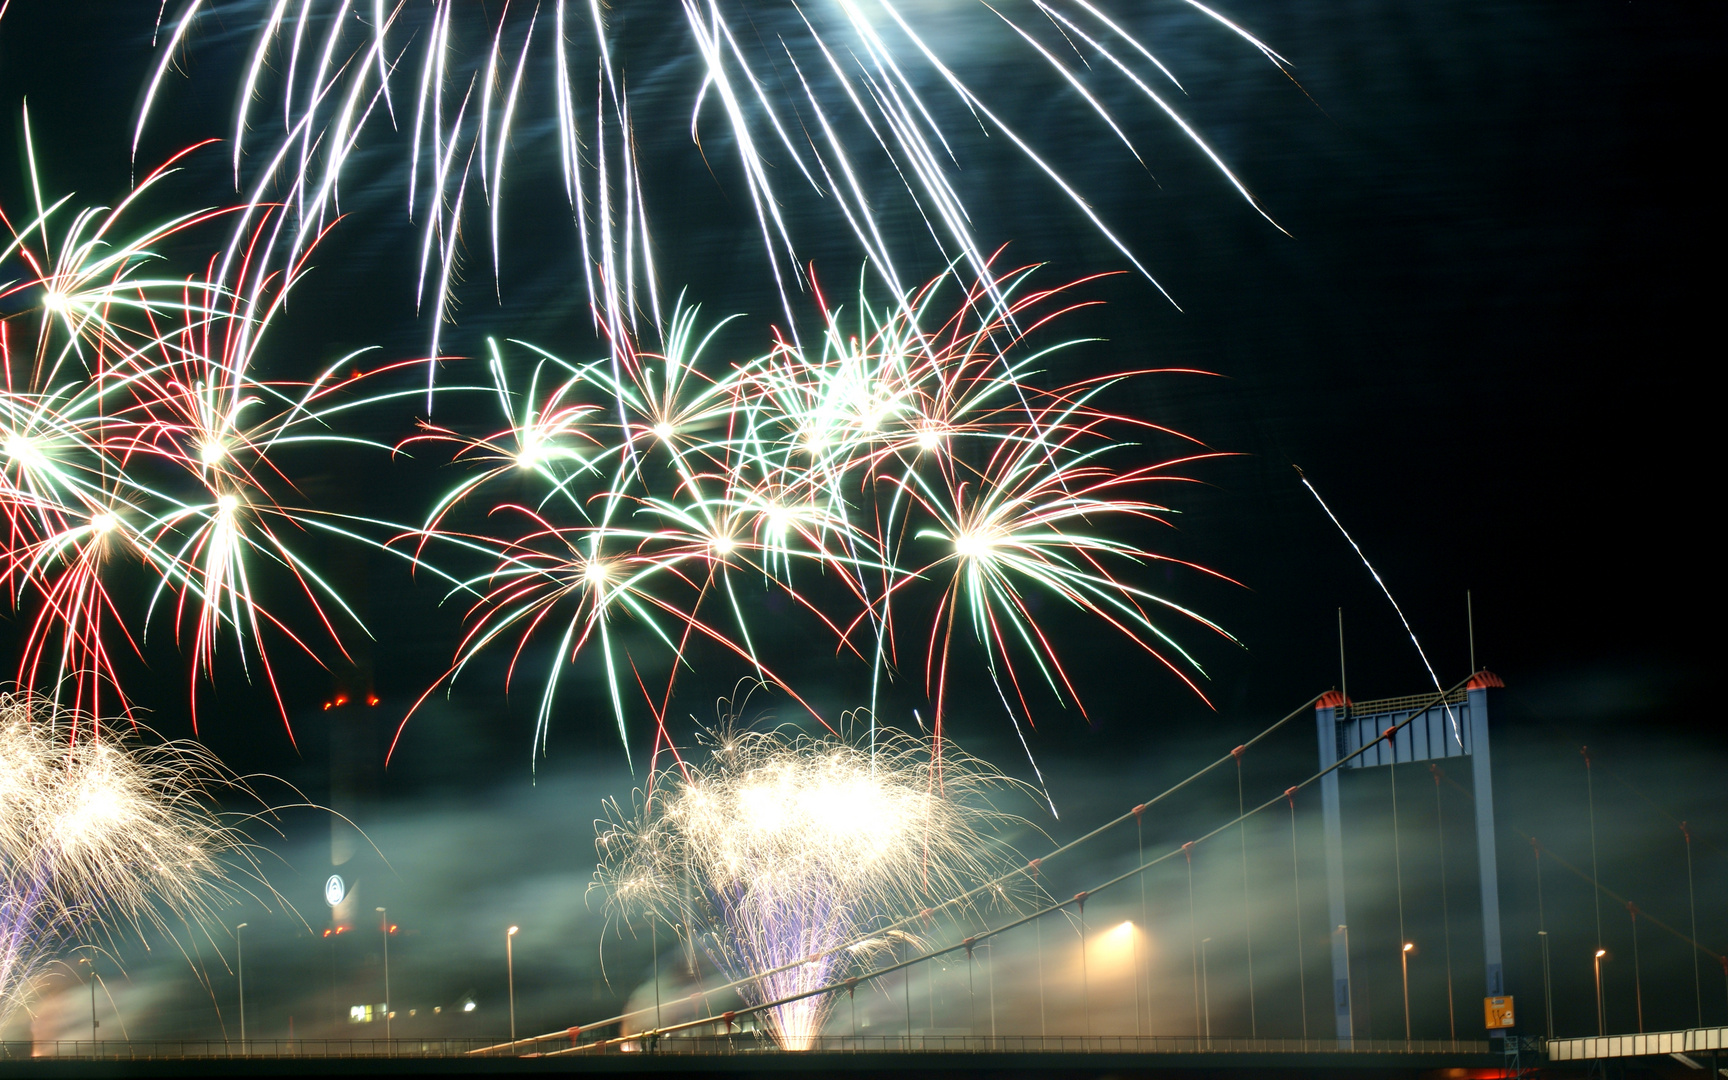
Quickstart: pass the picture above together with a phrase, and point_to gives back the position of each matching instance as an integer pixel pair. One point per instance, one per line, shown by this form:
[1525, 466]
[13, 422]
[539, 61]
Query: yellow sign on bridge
[1498, 1011]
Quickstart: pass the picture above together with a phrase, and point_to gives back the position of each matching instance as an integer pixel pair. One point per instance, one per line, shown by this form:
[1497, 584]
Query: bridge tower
[1347, 733]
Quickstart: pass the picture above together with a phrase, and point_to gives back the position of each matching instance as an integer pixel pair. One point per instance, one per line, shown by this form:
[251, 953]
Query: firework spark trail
[865, 75]
[136, 432]
[911, 460]
[775, 850]
[1378, 580]
[100, 836]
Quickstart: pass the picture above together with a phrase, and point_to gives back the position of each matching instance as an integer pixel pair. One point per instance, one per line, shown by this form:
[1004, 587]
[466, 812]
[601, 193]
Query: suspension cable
[1692, 903]
[1085, 970]
[1637, 968]
[1542, 932]
[1247, 925]
[1193, 935]
[1296, 878]
[1038, 926]
[1398, 876]
[1141, 967]
[1445, 909]
[1590, 794]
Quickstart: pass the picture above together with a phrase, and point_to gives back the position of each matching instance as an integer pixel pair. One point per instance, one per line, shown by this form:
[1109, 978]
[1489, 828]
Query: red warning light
[341, 699]
[371, 699]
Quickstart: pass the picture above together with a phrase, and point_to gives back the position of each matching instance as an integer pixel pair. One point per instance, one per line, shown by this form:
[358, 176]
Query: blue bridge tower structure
[1428, 727]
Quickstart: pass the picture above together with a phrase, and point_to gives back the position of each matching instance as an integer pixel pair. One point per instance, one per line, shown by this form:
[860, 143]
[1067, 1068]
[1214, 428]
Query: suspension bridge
[1136, 961]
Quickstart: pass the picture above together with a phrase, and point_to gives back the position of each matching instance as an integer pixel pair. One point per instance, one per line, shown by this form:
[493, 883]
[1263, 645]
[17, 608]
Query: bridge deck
[1594, 1048]
[814, 1065]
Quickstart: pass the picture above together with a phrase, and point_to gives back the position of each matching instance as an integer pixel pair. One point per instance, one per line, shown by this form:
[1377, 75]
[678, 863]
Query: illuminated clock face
[334, 890]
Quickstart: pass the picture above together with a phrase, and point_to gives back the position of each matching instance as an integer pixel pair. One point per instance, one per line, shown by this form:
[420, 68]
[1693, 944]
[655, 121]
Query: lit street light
[386, 927]
[240, 956]
[1404, 962]
[510, 969]
[1601, 1020]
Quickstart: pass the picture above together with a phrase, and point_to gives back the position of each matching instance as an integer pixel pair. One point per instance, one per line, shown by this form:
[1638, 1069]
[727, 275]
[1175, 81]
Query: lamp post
[1404, 963]
[92, 982]
[510, 970]
[1547, 984]
[1206, 986]
[384, 915]
[1349, 986]
[1601, 1022]
[240, 956]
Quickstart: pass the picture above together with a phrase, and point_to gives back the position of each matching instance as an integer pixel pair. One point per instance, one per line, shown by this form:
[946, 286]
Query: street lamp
[1601, 1021]
[510, 969]
[385, 924]
[1206, 986]
[1404, 962]
[1349, 987]
[240, 955]
[92, 981]
[1547, 983]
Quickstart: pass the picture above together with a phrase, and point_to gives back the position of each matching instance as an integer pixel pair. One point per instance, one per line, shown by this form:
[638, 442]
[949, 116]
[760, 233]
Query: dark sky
[1483, 340]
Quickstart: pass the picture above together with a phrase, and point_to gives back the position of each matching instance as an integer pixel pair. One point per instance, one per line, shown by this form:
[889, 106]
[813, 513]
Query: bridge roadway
[1699, 1048]
[964, 1059]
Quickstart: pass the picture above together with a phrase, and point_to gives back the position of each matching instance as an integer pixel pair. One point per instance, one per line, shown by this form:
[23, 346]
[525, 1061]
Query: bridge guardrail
[740, 1043]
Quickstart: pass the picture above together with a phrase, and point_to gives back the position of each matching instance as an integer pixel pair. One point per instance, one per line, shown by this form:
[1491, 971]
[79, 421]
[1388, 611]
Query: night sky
[1484, 341]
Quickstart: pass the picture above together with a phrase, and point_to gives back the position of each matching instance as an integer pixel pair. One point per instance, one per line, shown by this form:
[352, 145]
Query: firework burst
[99, 835]
[914, 462]
[779, 856]
[136, 432]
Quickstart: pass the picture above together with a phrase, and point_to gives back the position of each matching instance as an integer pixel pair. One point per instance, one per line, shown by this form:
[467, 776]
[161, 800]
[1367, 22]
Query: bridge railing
[738, 1043]
[1653, 1044]
[1033, 1044]
[147, 1049]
